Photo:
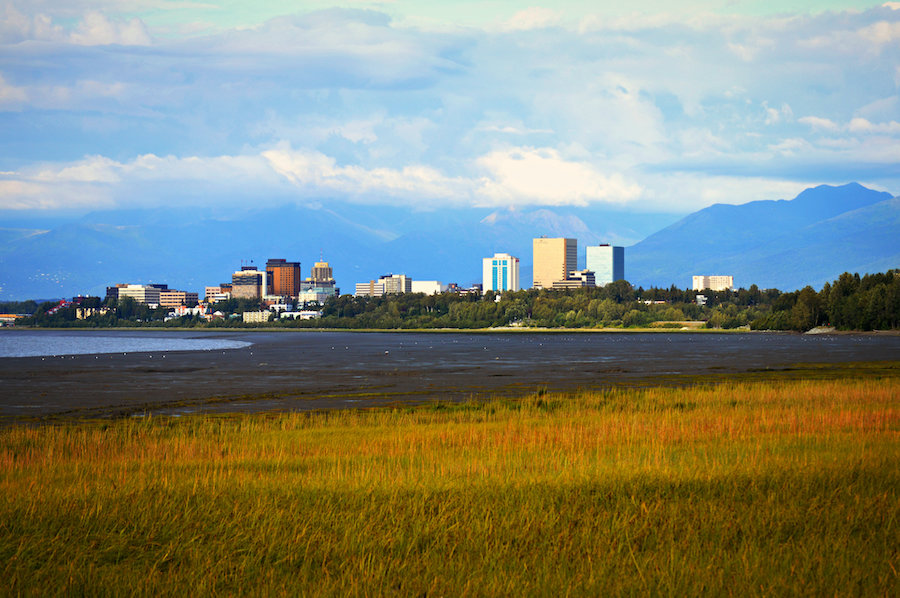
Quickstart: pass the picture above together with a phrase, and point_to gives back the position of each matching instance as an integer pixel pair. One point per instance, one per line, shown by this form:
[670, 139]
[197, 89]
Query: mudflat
[310, 370]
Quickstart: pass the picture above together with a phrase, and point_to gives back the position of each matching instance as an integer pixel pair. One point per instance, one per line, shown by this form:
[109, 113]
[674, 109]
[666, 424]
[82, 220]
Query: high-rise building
[500, 273]
[283, 278]
[319, 286]
[553, 260]
[248, 283]
[713, 283]
[321, 273]
[607, 263]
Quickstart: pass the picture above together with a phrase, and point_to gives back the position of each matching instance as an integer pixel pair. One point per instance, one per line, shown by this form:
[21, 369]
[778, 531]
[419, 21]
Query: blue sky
[465, 104]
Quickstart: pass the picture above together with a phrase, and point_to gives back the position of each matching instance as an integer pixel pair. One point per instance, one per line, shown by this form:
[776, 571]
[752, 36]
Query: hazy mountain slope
[185, 248]
[786, 244]
[190, 248]
[783, 244]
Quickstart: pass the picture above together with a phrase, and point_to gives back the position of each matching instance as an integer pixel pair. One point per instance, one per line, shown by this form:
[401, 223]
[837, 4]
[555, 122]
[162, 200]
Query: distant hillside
[785, 244]
[809, 240]
[190, 248]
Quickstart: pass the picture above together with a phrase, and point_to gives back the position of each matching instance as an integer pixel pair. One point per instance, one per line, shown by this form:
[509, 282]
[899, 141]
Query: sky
[467, 104]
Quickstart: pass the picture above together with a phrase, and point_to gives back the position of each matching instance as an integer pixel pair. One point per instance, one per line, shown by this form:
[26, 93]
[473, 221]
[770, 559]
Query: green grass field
[738, 488]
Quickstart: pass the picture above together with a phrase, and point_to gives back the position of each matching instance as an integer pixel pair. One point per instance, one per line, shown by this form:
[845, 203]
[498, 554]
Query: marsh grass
[744, 488]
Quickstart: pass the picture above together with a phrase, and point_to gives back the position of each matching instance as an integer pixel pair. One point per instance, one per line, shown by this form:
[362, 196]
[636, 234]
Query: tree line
[852, 302]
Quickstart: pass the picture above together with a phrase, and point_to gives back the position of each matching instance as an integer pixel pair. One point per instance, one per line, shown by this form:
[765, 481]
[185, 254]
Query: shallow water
[33, 343]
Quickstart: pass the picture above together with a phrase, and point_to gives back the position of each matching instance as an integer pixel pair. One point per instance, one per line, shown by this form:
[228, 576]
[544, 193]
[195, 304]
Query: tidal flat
[781, 485]
[302, 371]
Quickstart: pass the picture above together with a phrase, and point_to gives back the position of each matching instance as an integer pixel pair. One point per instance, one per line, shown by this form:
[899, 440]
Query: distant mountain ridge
[809, 240]
[190, 248]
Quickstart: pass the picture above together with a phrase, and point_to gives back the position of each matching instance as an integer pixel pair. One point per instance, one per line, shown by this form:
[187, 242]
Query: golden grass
[734, 488]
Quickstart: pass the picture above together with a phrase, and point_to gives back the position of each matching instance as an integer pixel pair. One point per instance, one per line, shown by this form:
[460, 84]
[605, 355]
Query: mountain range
[809, 240]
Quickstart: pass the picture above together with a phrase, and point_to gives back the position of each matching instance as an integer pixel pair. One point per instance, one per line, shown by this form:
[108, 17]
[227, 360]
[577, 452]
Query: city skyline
[391, 132]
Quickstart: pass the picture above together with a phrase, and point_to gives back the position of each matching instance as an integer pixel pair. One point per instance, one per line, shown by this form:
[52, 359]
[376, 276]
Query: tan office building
[174, 298]
[248, 283]
[553, 260]
[321, 272]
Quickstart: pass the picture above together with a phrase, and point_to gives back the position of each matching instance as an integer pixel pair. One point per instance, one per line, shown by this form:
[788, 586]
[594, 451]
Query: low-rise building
[83, 313]
[303, 314]
[575, 280]
[369, 289]
[217, 293]
[252, 317]
[389, 284]
[142, 293]
[713, 283]
[174, 298]
[429, 287]
[318, 294]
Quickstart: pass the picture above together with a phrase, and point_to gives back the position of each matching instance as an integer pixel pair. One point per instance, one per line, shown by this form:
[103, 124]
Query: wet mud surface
[324, 370]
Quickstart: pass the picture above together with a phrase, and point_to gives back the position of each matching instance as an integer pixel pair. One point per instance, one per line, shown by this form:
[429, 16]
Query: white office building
[148, 294]
[389, 284]
[606, 262]
[369, 289]
[713, 283]
[500, 273]
[429, 287]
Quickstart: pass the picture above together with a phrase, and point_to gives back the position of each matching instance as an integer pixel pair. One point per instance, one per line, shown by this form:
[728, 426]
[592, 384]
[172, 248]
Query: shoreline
[494, 330]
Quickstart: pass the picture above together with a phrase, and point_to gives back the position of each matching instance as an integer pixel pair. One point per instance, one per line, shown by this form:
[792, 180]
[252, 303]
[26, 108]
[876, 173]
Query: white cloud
[857, 125]
[870, 39]
[359, 131]
[93, 28]
[94, 169]
[881, 33]
[777, 115]
[881, 109]
[686, 191]
[861, 125]
[11, 97]
[379, 111]
[819, 123]
[31, 195]
[790, 147]
[535, 17]
[97, 30]
[542, 176]
[517, 176]
[314, 172]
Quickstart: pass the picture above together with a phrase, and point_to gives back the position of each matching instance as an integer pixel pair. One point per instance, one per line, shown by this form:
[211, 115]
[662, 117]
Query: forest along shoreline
[852, 302]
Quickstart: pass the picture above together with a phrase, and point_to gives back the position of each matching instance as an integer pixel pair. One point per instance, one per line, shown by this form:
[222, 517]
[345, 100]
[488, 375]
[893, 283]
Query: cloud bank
[662, 112]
